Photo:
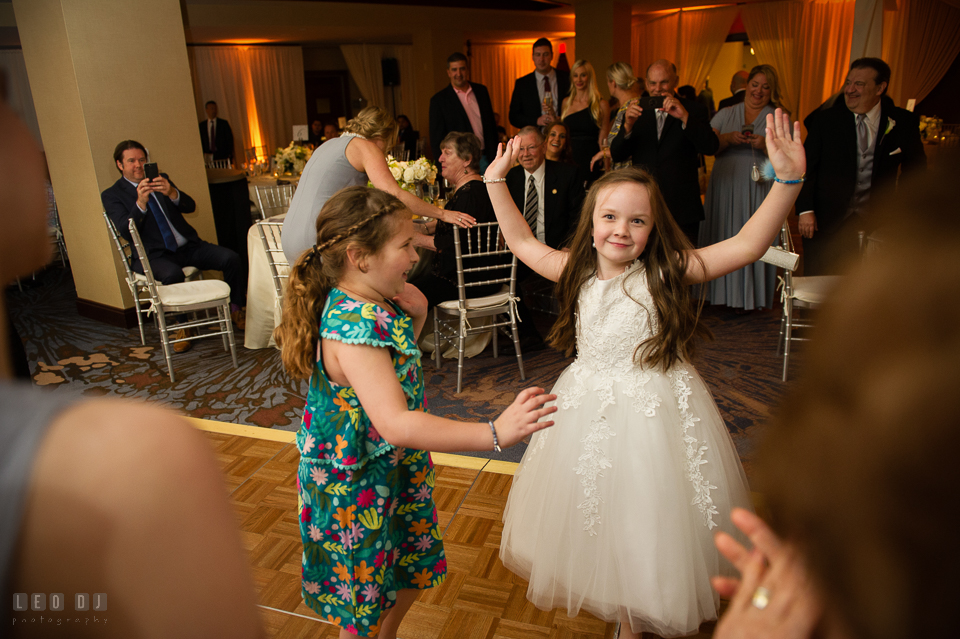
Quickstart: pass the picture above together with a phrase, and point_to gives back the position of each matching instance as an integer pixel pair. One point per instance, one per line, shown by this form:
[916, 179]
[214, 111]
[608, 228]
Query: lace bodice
[611, 325]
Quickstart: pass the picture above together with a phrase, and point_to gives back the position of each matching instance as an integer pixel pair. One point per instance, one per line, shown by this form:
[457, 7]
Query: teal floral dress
[367, 517]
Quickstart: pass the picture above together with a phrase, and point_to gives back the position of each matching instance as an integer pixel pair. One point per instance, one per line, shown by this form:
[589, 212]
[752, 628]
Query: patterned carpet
[72, 354]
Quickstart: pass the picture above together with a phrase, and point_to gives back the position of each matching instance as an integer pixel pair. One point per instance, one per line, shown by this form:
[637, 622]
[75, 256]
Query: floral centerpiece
[292, 159]
[410, 175]
[930, 127]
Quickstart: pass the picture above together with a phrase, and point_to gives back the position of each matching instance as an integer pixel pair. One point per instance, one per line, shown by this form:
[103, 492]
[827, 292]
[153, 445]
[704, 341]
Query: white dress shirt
[538, 175]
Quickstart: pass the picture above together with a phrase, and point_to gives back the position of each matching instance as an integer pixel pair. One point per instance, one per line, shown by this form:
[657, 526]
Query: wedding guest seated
[460, 165]
[105, 496]
[407, 136]
[316, 134]
[558, 149]
[157, 206]
[330, 131]
[353, 159]
[857, 467]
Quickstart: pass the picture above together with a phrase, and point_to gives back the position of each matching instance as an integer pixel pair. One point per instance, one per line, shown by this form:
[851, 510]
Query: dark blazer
[673, 159]
[408, 138]
[525, 108]
[736, 98]
[120, 203]
[447, 114]
[562, 199]
[831, 147]
[224, 139]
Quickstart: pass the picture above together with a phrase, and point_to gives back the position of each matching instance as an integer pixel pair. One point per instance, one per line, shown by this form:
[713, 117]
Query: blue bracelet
[776, 179]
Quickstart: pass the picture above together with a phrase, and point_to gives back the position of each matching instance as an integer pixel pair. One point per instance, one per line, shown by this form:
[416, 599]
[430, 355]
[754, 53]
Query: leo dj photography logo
[40, 608]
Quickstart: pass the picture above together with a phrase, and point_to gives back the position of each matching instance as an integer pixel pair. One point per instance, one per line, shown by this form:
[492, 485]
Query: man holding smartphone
[157, 207]
[665, 134]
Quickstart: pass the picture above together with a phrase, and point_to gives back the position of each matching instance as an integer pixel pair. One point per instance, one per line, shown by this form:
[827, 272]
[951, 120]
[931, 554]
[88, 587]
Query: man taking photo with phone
[664, 134]
[156, 206]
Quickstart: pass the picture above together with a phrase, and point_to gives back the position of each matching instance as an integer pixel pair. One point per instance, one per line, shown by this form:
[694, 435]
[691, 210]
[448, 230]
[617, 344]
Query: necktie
[546, 85]
[862, 133]
[168, 240]
[213, 136]
[532, 206]
[661, 118]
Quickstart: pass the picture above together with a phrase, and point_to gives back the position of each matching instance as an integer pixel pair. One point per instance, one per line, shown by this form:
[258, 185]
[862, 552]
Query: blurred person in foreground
[102, 496]
[857, 468]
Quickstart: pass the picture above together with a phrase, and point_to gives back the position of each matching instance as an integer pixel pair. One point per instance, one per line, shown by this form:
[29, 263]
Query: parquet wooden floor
[480, 598]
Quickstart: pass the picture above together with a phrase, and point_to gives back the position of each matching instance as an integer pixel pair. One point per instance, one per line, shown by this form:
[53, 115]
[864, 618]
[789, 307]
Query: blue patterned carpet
[72, 354]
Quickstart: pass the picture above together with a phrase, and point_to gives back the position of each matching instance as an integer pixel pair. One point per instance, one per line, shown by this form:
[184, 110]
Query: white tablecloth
[263, 311]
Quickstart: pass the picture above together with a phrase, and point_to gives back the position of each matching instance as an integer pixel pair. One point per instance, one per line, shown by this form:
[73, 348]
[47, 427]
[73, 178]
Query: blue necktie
[168, 240]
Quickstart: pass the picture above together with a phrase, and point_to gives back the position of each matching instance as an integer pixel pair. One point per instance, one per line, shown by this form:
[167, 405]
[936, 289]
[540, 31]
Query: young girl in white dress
[614, 509]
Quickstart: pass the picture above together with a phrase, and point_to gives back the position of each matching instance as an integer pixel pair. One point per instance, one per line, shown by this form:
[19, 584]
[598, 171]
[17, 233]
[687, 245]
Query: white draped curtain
[691, 39]
[259, 90]
[364, 64]
[19, 96]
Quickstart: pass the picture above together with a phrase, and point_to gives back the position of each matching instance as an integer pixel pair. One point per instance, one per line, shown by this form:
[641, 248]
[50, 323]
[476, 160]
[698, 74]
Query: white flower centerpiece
[292, 159]
[412, 176]
[930, 128]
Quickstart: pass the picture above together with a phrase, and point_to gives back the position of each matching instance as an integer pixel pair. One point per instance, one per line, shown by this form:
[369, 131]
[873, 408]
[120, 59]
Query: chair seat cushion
[189, 272]
[814, 289]
[196, 292]
[473, 303]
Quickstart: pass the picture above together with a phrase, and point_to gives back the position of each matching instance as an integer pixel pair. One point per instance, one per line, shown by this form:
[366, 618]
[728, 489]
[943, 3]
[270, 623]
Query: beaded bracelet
[798, 181]
[496, 443]
[489, 181]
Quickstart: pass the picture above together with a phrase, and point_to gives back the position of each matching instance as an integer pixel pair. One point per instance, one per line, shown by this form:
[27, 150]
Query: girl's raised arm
[541, 258]
[789, 161]
[370, 371]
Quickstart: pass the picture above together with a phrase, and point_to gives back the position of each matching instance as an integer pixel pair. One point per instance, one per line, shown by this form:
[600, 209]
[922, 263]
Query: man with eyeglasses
[856, 149]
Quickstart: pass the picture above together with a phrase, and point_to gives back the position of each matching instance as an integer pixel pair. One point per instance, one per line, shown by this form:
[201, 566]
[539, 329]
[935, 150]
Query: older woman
[460, 165]
[735, 191]
[558, 146]
[352, 159]
[587, 117]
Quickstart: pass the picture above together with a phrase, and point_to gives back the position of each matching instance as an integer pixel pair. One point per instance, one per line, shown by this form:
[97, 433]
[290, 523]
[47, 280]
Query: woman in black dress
[587, 117]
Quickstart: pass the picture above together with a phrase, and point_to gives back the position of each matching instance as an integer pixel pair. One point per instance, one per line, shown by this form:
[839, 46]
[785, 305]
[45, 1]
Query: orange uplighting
[242, 41]
[253, 120]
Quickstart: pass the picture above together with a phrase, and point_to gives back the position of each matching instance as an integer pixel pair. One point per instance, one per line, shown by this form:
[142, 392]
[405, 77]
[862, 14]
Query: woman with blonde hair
[353, 159]
[625, 89]
[587, 117]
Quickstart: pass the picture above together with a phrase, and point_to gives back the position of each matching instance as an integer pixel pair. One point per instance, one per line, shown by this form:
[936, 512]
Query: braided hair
[355, 217]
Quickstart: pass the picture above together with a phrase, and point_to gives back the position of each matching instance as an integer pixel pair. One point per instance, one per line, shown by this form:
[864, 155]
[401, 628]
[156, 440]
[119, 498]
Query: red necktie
[546, 85]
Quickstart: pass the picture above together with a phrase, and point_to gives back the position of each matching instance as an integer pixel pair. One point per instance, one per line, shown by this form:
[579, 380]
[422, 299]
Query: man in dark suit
[157, 208]
[855, 151]
[667, 143]
[738, 87]
[548, 193]
[216, 135]
[528, 104]
[463, 106]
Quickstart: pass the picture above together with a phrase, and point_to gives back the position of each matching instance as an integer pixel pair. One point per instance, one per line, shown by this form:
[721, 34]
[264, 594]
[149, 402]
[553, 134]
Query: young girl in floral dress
[371, 540]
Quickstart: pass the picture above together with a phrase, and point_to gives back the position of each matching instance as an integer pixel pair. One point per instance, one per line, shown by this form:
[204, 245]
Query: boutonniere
[890, 125]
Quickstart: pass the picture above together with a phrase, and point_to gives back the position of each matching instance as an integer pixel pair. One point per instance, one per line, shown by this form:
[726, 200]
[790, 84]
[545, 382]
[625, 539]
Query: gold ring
[761, 598]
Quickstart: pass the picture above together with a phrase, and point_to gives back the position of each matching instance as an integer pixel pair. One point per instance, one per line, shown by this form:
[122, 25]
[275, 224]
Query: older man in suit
[855, 150]
[667, 142]
[157, 207]
[463, 106]
[536, 96]
[216, 135]
[738, 87]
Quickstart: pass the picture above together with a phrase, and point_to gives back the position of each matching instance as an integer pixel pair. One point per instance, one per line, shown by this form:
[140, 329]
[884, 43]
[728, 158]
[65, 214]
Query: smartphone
[151, 171]
[747, 129]
[651, 102]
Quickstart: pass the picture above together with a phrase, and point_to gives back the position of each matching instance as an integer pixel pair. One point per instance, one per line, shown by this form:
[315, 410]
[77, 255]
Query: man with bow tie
[856, 148]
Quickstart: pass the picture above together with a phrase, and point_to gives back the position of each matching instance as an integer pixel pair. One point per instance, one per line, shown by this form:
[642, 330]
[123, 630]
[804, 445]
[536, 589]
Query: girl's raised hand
[521, 417]
[506, 157]
[784, 147]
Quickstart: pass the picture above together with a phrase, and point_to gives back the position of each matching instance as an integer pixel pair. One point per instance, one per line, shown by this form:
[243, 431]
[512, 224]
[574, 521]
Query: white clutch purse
[781, 258]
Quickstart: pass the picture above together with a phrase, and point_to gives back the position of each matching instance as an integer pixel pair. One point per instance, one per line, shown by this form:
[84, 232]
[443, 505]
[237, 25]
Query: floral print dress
[367, 517]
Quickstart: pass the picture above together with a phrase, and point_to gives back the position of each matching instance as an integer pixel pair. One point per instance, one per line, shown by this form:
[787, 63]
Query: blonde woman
[587, 118]
[624, 87]
[353, 159]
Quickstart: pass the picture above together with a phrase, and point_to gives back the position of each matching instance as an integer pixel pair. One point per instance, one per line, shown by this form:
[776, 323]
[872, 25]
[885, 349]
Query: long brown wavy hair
[665, 259]
[355, 217]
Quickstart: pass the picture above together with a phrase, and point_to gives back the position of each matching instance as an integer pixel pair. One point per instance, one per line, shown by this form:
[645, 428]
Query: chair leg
[495, 332]
[783, 324]
[223, 325]
[165, 340]
[228, 324]
[516, 344]
[136, 303]
[436, 339]
[461, 338]
[787, 335]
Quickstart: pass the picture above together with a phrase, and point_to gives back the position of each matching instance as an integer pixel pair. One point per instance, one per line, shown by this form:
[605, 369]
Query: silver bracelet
[488, 181]
[496, 442]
